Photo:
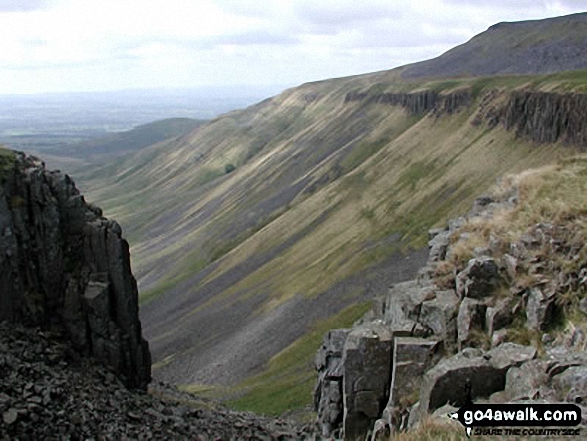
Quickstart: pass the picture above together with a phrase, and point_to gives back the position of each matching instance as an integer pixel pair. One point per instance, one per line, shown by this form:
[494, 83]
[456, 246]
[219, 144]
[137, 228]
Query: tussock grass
[553, 195]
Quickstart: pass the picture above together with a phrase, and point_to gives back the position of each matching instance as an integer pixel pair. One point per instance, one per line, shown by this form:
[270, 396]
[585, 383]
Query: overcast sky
[88, 45]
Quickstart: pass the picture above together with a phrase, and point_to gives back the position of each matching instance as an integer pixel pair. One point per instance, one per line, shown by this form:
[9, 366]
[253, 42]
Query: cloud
[21, 6]
[347, 12]
[255, 37]
[113, 44]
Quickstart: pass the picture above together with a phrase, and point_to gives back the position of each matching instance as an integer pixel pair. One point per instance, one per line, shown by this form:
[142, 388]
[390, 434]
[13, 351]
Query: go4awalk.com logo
[531, 419]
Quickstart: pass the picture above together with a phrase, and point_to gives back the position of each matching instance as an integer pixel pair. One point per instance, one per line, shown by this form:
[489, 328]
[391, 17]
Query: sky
[98, 45]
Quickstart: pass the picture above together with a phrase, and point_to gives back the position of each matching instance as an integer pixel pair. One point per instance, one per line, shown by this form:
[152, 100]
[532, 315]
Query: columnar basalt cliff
[63, 264]
[416, 103]
[543, 117]
[548, 117]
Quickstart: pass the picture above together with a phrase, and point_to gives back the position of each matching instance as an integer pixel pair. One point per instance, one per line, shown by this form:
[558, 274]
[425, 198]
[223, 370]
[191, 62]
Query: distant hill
[131, 140]
[526, 47]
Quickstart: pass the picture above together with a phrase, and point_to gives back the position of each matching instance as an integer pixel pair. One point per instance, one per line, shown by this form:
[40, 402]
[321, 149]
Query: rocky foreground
[498, 315]
[49, 392]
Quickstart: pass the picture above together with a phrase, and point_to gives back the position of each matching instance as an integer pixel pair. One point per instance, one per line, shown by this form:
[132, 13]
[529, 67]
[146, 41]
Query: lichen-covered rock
[499, 315]
[482, 374]
[438, 246]
[540, 308]
[412, 357]
[367, 369]
[62, 264]
[328, 391]
[447, 382]
[403, 302]
[479, 279]
[439, 314]
[510, 355]
[471, 318]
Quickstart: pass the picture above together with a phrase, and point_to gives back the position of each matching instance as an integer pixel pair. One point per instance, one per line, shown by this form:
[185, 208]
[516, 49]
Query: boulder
[479, 279]
[498, 337]
[485, 374]
[367, 369]
[471, 317]
[412, 357]
[540, 308]
[404, 301]
[571, 385]
[510, 355]
[328, 391]
[499, 315]
[439, 315]
[438, 246]
[447, 382]
[381, 431]
[524, 382]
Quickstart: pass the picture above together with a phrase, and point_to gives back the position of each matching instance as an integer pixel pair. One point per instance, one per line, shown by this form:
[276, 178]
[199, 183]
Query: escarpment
[62, 264]
[416, 103]
[547, 117]
[543, 117]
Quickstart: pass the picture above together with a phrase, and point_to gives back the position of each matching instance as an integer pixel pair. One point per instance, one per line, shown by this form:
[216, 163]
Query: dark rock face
[328, 392]
[548, 117]
[543, 117]
[64, 265]
[486, 374]
[416, 103]
[367, 370]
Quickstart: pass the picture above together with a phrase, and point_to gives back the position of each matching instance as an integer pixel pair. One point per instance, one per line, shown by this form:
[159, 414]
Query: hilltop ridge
[528, 47]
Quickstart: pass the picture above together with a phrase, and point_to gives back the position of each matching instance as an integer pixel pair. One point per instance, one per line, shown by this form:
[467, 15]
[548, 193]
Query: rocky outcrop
[543, 117]
[328, 391]
[367, 370]
[62, 264]
[548, 117]
[466, 328]
[416, 103]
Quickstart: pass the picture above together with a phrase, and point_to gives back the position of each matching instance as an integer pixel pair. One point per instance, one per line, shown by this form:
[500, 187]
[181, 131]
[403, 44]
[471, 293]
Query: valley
[329, 203]
[253, 232]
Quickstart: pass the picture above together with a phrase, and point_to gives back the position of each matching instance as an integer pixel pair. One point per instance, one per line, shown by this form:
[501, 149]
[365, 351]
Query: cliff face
[63, 264]
[416, 103]
[543, 117]
[548, 117]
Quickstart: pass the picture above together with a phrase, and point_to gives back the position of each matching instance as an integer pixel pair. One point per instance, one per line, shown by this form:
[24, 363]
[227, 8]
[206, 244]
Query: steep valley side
[329, 202]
